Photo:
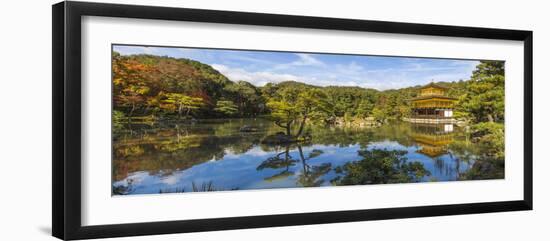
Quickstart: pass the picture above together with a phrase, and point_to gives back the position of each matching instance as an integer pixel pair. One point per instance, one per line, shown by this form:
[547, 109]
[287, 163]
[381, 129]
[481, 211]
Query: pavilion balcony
[431, 117]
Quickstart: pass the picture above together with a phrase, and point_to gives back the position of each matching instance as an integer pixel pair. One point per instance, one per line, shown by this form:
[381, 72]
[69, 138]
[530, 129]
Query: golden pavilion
[432, 105]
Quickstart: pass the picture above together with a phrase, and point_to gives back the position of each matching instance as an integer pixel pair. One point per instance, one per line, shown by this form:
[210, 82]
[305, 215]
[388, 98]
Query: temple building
[432, 106]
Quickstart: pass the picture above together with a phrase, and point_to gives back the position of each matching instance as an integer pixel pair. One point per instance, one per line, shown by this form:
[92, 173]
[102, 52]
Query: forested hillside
[168, 88]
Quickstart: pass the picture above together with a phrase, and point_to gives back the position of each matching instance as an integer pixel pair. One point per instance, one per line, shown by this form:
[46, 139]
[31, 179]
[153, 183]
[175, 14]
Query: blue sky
[261, 67]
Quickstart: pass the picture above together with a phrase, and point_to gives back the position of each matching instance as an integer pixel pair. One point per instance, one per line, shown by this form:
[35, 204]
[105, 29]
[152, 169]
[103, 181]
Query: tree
[365, 108]
[490, 163]
[311, 104]
[157, 75]
[180, 103]
[488, 68]
[296, 106]
[485, 98]
[490, 136]
[378, 115]
[283, 114]
[246, 96]
[226, 107]
[130, 88]
[132, 97]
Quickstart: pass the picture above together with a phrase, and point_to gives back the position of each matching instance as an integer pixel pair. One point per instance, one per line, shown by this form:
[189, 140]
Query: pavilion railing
[430, 117]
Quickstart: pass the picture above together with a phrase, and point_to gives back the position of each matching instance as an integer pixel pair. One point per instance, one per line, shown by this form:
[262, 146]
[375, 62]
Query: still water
[214, 155]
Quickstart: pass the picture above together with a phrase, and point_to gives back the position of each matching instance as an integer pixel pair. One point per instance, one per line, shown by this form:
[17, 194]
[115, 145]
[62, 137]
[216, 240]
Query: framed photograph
[169, 120]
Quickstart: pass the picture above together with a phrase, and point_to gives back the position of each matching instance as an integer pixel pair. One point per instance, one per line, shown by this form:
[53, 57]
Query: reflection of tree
[346, 136]
[342, 137]
[280, 160]
[380, 167]
[179, 143]
[235, 141]
[310, 176]
[161, 150]
[463, 150]
[177, 146]
[485, 167]
[490, 162]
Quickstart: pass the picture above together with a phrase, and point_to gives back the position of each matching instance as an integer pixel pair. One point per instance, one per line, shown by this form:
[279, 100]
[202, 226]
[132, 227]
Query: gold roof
[426, 97]
[434, 85]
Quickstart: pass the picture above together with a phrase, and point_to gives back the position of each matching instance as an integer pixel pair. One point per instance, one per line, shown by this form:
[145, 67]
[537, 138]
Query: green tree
[311, 104]
[392, 106]
[490, 136]
[365, 108]
[490, 162]
[488, 68]
[293, 106]
[283, 114]
[226, 107]
[379, 115]
[246, 96]
[485, 98]
[181, 103]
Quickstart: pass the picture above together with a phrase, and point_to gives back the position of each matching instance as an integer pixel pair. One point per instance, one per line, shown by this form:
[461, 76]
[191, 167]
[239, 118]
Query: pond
[215, 155]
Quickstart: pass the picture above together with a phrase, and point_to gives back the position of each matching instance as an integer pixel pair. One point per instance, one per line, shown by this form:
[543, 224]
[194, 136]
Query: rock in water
[248, 128]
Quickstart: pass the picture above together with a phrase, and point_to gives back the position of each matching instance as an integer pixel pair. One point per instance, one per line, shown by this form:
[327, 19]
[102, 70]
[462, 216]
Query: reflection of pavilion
[433, 139]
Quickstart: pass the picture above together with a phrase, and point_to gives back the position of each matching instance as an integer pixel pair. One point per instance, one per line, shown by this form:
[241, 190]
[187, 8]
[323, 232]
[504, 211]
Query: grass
[203, 187]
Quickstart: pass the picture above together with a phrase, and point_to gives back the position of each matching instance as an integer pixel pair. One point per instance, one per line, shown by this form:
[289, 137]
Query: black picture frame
[66, 47]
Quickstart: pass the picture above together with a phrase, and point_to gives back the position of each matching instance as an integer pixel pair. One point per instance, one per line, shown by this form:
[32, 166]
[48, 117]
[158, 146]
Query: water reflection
[433, 139]
[216, 155]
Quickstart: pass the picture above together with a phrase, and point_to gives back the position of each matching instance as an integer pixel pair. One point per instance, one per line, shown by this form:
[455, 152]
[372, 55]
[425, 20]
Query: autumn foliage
[165, 87]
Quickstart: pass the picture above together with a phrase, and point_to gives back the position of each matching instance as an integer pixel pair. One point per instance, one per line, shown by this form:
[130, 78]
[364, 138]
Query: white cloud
[352, 68]
[448, 77]
[385, 84]
[303, 60]
[256, 78]
[172, 179]
[185, 50]
[353, 72]
[307, 60]
[129, 50]
[249, 59]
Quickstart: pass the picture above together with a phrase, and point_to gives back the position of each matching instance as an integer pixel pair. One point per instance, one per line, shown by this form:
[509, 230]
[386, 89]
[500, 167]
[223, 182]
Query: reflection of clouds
[254, 152]
[329, 151]
[137, 177]
[171, 180]
[389, 145]
[257, 151]
[133, 180]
